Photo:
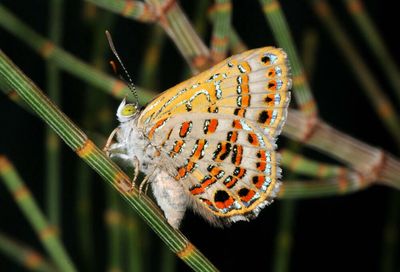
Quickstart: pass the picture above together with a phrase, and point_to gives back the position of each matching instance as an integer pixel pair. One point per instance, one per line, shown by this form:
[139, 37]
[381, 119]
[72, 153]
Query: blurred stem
[391, 234]
[53, 152]
[284, 239]
[113, 220]
[65, 60]
[168, 260]
[380, 102]
[151, 59]
[299, 164]
[375, 42]
[281, 31]
[24, 255]
[133, 242]
[46, 233]
[95, 103]
[309, 52]
[222, 10]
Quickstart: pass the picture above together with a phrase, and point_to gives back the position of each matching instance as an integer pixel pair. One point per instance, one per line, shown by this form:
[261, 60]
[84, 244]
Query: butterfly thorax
[133, 143]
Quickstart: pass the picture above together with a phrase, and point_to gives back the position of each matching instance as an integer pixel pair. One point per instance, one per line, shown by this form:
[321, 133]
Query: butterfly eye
[128, 110]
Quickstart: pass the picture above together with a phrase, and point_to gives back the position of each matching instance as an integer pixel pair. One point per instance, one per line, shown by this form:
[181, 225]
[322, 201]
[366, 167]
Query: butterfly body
[209, 142]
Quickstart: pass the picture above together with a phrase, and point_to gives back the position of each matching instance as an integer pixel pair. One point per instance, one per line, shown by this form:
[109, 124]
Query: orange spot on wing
[236, 124]
[270, 100]
[212, 127]
[245, 100]
[252, 138]
[226, 204]
[248, 196]
[198, 152]
[261, 166]
[155, 127]
[233, 136]
[258, 181]
[239, 154]
[272, 85]
[231, 183]
[184, 129]
[241, 173]
[271, 72]
[197, 190]
[176, 148]
[245, 88]
[181, 173]
[190, 166]
[208, 181]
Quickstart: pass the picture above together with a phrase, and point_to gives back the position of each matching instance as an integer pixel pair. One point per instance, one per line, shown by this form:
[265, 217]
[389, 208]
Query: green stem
[376, 43]
[281, 31]
[390, 239]
[283, 244]
[222, 26]
[133, 242]
[24, 255]
[53, 179]
[47, 234]
[380, 102]
[113, 218]
[65, 60]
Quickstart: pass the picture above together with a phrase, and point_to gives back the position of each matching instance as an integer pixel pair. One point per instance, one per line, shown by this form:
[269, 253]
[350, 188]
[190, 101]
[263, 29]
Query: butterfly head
[127, 112]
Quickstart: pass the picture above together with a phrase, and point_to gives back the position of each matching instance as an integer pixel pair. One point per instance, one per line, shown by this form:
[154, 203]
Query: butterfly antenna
[130, 84]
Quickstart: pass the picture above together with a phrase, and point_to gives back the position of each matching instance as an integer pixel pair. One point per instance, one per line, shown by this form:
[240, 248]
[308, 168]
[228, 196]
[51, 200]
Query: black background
[343, 233]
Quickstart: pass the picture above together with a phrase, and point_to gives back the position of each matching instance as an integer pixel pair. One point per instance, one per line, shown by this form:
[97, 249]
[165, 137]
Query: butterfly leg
[136, 164]
[143, 183]
[107, 148]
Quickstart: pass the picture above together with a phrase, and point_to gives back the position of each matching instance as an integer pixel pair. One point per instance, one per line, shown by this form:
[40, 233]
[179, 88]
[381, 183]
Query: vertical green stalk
[236, 43]
[380, 102]
[47, 234]
[391, 237]
[178, 27]
[96, 108]
[222, 25]
[151, 59]
[309, 52]
[281, 31]
[134, 241]
[24, 255]
[113, 218]
[168, 260]
[375, 42]
[84, 215]
[53, 152]
[284, 237]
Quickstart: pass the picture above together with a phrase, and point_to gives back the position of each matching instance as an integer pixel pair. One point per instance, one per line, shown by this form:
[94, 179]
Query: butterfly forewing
[216, 132]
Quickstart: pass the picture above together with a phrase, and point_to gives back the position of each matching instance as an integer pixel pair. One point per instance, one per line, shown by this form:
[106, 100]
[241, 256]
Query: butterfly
[209, 142]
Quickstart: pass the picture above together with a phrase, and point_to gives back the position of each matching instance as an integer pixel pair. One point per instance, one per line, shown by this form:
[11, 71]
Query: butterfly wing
[217, 132]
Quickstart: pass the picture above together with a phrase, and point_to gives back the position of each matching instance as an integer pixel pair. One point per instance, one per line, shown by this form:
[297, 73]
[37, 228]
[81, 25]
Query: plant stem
[24, 255]
[53, 152]
[381, 103]
[375, 42]
[280, 28]
[46, 233]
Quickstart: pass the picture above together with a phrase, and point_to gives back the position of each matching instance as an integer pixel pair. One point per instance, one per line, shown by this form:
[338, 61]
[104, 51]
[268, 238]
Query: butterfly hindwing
[216, 132]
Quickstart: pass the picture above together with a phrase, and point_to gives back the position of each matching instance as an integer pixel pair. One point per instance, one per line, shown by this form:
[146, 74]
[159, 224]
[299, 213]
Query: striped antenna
[130, 84]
